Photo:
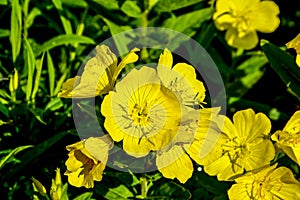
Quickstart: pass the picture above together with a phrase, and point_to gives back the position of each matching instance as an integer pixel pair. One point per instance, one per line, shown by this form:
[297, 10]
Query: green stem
[144, 186]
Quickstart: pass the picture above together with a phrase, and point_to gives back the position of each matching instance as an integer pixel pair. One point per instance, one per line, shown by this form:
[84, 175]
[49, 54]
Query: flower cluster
[161, 110]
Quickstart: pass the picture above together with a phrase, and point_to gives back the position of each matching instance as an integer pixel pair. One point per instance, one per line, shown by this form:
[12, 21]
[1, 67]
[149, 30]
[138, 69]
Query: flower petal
[248, 41]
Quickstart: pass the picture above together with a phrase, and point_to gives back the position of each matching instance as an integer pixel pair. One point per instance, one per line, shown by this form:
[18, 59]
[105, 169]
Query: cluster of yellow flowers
[161, 110]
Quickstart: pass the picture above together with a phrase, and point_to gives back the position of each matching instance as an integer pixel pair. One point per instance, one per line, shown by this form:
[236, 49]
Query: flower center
[235, 149]
[291, 137]
[242, 22]
[140, 114]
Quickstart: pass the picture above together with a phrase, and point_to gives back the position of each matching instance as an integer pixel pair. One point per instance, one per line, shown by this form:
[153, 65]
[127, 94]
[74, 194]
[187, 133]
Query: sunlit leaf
[39, 65]
[31, 16]
[51, 74]
[184, 23]
[63, 40]
[85, 196]
[65, 22]
[4, 33]
[77, 3]
[6, 159]
[169, 5]
[120, 192]
[16, 28]
[29, 64]
[131, 9]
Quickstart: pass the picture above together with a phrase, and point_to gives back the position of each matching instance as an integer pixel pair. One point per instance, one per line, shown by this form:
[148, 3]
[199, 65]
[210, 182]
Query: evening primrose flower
[99, 75]
[242, 19]
[173, 161]
[180, 79]
[267, 183]
[140, 112]
[289, 138]
[242, 146]
[295, 43]
[83, 166]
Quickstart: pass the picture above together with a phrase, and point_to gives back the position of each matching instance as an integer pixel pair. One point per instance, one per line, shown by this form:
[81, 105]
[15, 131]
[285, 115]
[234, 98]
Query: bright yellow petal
[131, 57]
[135, 146]
[255, 159]
[174, 163]
[68, 86]
[165, 59]
[249, 41]
[265, 17]
[98, 147]
[294, 123]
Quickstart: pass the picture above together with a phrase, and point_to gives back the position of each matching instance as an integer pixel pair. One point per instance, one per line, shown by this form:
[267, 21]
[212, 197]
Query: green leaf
[284, 65]
[169, 5]
[187, 22]
[120, 192]
[170, 190]
[85, 196]
[4, 110]
[63, 40]
[121, 41]
[131, 9]
[54, 104]
[31, 16]
[51, 74]
[3, 2]
[16, 28]
[29, 64]
[65, 22]
[4, 33]
[35, 152]
[39, 65]
[76, 4]
[38, 114]
[7, 158]
[109, 5]
[253, 70]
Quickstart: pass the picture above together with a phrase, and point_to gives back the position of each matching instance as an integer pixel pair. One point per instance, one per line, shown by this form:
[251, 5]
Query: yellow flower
[289, 138]
[173, 160]
[83, 167]
[264, 184]
[140, 112]
[180, 79]
[242, 19]
[58, 190]
[99, 75]
[242, 146]
[295, 43]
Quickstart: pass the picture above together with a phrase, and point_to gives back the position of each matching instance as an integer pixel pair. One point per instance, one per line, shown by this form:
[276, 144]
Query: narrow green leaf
[75, 4]
[35, 152]
[284, 65]
[39, 66]
[65, 22]
[120, 192]
[60, 82]
[131, 9]
[121, 41]
[187, 22]
[29, 64]
[16, 28]
[51, 73]
[7, 158]
[3, 2]
[85, 196]
[109, 5]
[31, 16]
[4, 33]
[54, 104]
[63, 40]
[169, 5]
